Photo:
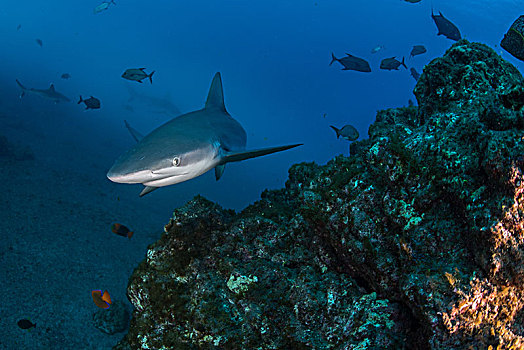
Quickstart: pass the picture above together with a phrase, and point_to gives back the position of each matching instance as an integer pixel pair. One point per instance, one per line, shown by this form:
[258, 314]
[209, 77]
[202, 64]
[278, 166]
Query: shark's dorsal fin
[52, 87]
[215, 97]
[135, 134]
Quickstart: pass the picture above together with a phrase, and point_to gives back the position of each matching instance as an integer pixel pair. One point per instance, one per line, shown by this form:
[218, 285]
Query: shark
[187, 146]
[158, 105]
[49, 93]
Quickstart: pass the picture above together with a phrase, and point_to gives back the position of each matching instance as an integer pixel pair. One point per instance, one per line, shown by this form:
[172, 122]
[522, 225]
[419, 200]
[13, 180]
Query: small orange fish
[102, 300]
[121, 230]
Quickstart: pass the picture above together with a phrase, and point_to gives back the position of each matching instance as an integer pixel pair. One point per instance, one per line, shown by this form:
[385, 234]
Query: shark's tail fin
[150, 76]
[80, 100]
[238, 156]
[333, 59]
[337, 130]
[403, 63]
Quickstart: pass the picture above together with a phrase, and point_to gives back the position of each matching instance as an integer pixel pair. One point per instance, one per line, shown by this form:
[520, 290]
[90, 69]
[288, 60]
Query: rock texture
[416, 241]
[113, 320]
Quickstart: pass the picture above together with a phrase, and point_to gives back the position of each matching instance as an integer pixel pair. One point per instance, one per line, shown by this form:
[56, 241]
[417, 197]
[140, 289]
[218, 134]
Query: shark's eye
[176, 161]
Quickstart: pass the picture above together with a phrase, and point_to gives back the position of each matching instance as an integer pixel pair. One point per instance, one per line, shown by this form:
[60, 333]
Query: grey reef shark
[50, 93]
[187, 146]
[155, 104]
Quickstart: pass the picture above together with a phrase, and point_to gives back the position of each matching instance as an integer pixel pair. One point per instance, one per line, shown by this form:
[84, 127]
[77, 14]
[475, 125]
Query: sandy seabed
[57, 246]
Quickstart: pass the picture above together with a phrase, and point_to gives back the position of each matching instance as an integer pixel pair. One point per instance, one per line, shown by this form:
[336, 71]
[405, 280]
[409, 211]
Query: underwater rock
[217, 280]
[113, 320]
[475, 78]
[414, 242]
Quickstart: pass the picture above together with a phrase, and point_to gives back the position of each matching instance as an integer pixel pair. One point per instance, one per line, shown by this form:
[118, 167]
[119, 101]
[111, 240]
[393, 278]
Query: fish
[103, 6]
[351, 62]
[65, 76]
[377, 48]
[39, 42]
[417, 50]
[413, 1]
[155, 104]
[137, 74]
[187, 146]
[348, 132]
[392, 63]
[122, 230]
[91, 102]
[414, 73]
[513, 40]
[102, 300]
[50, 93]
[445, 27]
[26, 324]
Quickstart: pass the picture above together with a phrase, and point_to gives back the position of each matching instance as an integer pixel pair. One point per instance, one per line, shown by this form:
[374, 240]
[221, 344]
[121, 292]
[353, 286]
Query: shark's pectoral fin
[219, 170]
[238, 156]
[146, 190]
[135, 134]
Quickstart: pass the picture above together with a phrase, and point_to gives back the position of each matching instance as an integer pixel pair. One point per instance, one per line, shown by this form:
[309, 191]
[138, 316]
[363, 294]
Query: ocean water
[274, 59]
[273, 56]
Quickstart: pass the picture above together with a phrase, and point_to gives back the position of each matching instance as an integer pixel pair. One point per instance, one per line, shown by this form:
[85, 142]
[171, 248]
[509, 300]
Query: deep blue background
[273, 56]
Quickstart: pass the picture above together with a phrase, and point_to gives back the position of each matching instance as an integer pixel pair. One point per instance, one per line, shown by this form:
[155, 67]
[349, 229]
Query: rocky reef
[416, 241]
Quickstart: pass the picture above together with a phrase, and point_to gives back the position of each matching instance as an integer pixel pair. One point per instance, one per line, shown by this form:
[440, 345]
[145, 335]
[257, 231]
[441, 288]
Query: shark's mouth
[143, 176]
[167, 172]
[165, 180]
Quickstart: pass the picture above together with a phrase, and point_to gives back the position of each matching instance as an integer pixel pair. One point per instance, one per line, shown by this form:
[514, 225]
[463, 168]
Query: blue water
[273, 56]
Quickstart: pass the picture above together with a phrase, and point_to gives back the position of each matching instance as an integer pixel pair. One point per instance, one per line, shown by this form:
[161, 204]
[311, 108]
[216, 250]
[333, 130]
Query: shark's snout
[121, 174]
[124, 178]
